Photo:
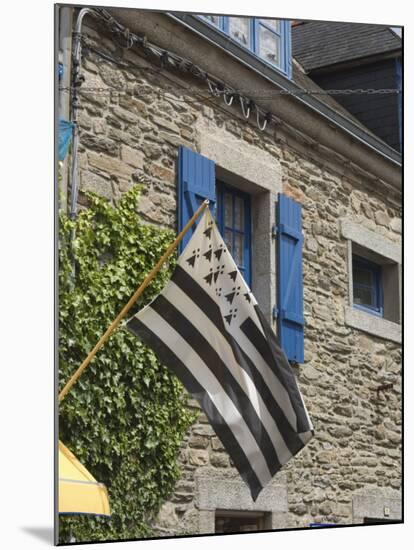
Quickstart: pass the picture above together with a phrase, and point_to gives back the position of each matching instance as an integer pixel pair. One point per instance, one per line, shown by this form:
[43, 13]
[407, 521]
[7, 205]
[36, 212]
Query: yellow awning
[79, 492]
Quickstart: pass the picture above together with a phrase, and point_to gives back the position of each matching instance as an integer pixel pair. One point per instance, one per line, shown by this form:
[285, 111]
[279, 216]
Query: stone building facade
[350, 195]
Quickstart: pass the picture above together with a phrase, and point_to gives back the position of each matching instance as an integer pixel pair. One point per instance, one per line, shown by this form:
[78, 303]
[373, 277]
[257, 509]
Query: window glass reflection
[215, 19]
[239, 29]
[228, 239]
[238, 249]
[273, 24]
[228, 210]
[269, 46]
[239, 214]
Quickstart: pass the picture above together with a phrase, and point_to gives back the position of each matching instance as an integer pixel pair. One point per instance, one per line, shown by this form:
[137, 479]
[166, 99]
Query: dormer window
[269, 39]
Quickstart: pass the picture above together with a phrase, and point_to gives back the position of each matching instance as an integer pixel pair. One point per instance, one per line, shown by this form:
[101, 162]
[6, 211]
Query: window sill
[372, 324]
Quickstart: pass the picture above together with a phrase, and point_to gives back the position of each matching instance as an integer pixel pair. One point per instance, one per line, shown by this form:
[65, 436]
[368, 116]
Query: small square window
[367, 285]
[374, 275]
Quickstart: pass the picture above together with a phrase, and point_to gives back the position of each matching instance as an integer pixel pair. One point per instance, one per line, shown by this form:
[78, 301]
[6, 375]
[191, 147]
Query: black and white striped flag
[207, 327]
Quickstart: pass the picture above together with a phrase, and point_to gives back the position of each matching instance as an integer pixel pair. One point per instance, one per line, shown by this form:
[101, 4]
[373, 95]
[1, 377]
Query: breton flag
[207, 328]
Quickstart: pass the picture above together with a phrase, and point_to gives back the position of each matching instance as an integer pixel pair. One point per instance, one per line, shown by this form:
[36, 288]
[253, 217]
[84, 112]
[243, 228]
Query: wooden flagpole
[73, 379]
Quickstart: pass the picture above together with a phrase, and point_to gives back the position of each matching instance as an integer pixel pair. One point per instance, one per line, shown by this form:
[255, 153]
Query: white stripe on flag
[215, 390]
[278, 390]
[202, 323]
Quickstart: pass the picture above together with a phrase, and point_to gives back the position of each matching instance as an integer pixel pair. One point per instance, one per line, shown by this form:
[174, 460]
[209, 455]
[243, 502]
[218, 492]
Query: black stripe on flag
[273, 354]
[193, 290]
[202, 347]
[290, 436]
[167, 356]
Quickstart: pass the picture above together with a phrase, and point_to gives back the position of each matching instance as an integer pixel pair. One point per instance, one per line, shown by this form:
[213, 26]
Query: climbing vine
[126, 416]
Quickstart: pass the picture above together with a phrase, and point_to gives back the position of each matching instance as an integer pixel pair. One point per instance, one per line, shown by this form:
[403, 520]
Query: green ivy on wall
[126, 416]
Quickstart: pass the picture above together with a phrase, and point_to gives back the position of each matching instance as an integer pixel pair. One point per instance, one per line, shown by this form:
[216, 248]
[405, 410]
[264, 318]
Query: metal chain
[229, 95]
[216, 88]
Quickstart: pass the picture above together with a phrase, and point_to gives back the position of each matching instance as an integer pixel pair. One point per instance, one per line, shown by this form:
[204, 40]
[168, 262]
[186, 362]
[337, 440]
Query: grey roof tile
[318, 44]
[306, 83]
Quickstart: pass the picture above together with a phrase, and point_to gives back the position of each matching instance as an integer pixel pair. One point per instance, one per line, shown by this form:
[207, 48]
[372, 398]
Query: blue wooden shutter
[196, 182]
[290, 278]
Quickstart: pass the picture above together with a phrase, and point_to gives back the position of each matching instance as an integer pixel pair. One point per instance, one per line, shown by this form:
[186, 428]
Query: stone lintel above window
[221, 492]
[381, 246]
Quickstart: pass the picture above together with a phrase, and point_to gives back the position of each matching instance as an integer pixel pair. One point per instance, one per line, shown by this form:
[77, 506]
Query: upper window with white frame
[269, 39]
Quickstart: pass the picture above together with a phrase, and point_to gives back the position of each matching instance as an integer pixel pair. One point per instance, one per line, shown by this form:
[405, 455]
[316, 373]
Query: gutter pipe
[77, 80]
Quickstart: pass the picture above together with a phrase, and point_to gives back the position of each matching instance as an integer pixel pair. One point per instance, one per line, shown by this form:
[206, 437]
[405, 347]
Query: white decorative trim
[372, 241]
[372, 324]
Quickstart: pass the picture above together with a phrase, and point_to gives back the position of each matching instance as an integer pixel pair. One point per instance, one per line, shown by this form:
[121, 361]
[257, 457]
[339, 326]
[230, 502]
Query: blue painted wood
[224, 23]
[289, 239]
[287, 42]
[196, 182]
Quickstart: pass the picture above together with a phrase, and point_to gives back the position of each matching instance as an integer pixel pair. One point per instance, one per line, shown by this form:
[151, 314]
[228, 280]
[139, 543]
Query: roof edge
[247, 58]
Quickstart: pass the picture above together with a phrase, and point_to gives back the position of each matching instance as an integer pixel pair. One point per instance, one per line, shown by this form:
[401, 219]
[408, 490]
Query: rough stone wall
[133, 137]
[357, 431]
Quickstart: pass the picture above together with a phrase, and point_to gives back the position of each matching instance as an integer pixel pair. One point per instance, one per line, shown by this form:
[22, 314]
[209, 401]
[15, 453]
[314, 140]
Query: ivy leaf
[151, 443]
[126, 403]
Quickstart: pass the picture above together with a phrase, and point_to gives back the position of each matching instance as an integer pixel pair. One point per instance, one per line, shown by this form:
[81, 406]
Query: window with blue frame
[269, 39]
[367, 285]
[233, 220]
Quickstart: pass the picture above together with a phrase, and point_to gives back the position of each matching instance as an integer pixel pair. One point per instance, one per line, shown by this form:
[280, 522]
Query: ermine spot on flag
[207, 327]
